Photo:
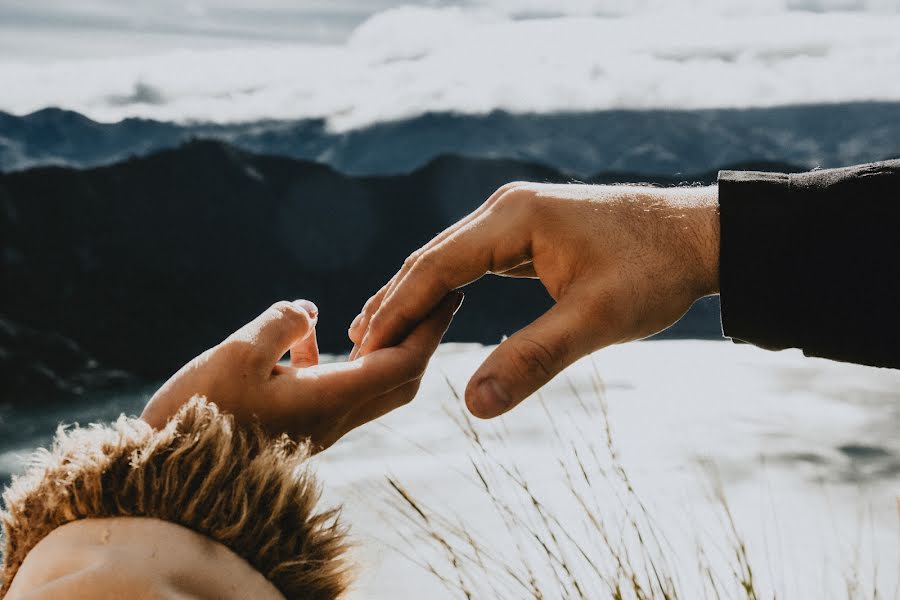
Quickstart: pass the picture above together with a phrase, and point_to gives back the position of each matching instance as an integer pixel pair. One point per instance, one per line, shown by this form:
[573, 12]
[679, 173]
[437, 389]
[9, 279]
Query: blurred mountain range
[579, 144]
[140, 265]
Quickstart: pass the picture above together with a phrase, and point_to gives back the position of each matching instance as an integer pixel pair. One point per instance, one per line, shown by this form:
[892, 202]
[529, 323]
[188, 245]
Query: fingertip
[459, 297]
[471, 402]
[289, 320]
[309, 308]
[379, 333]
[435, 324]
[487, 398]
[439, 320]
[446, 309]
[449, 308]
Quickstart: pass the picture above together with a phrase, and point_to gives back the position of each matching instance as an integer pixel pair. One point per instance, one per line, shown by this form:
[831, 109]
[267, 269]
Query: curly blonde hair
[232, 484]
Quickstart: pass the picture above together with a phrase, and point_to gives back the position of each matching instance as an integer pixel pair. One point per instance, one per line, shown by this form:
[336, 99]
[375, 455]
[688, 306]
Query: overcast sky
[41, 29]
[35, 29]
[357, 62]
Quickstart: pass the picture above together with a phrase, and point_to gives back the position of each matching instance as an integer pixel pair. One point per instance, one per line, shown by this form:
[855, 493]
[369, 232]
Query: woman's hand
[305, 400]
[622, 263]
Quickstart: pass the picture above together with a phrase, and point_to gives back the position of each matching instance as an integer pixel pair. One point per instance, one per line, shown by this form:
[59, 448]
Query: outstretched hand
[621, 262]
[242, 375]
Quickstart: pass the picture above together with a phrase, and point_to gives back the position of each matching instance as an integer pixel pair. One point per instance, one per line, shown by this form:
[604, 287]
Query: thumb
[527, 360]
[305, 351]
[274, 332]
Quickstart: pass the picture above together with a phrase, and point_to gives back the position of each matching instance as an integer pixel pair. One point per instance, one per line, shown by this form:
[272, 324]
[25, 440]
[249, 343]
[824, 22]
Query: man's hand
[621, 262]
[305, 400]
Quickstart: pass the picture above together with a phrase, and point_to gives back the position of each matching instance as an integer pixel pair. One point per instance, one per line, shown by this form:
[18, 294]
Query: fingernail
[490, 399]
[311, 309]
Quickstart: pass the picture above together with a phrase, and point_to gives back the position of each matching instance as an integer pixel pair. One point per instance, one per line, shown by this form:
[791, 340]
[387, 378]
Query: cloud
[142, 94]
[405, 61]
[722, 7]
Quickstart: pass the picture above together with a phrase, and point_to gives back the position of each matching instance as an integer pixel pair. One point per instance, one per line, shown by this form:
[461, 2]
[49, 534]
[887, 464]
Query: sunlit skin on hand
[304, 399]
[621, 262]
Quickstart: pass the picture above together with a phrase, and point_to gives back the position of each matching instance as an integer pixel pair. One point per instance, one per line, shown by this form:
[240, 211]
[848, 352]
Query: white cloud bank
[512, 56]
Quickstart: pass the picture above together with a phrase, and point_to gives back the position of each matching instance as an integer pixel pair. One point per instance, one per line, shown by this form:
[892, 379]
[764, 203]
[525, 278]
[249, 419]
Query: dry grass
[576, 549]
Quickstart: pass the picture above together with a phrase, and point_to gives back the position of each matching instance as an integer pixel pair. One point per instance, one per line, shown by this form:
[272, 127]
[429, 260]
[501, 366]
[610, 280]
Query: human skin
[135, 558]
[621, 262]
[152, 559]
[306, 400]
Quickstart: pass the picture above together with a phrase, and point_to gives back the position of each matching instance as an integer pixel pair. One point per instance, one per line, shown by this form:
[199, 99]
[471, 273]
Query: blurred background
[169, 168]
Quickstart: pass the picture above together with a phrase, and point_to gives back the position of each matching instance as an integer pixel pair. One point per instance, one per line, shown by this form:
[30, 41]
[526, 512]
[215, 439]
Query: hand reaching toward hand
[621, 262]
[306, 399]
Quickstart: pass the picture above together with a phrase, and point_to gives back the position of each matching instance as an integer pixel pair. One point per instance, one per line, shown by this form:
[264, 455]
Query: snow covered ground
[807, 450]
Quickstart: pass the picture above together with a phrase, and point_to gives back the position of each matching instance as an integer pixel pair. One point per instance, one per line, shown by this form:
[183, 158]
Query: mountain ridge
[146, 262]
[645, 141]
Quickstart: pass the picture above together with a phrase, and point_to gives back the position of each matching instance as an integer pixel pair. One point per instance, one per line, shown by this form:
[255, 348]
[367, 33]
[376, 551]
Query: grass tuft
[577, 547]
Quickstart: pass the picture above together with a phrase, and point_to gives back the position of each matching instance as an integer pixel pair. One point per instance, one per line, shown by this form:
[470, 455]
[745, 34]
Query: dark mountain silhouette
[648, 141]
[40, 366]
[147, 262]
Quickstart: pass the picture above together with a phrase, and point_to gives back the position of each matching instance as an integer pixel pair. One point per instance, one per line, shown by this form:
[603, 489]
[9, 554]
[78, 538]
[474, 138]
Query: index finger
[494, 241]
[388, 368]
[361, 323]
[272, 333]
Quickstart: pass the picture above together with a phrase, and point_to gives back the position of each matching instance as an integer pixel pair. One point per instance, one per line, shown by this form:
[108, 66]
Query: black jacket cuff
[757, 259]
[810, 260]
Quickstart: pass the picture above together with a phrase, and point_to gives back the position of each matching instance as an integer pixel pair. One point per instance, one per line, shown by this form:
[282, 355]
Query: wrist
[706, 238]
[699, 235]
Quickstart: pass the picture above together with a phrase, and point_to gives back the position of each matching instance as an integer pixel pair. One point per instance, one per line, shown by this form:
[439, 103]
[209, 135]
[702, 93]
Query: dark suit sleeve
[812, 261]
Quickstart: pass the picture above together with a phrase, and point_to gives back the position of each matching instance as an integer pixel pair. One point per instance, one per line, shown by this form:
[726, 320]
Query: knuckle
[281, 305]
[502, 191]
[508, 197]
[370, 305]
[511, 187]
[537, 359]
[378, 322]
[289, 311]
[410, 260]
[518, 198]
[425, 263]
[428, 270]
